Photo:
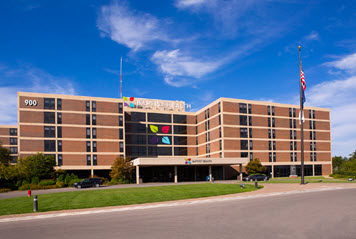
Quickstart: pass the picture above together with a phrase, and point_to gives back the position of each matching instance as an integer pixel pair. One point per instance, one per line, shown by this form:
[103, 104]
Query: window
[207, 125]
[249, 109]
[207, 148]
[273, 122]
[93, 119]
[274, 156]
[310, 125]
[60, 160]
[291, 145]
[273, 133]
[269, 110]
[183, 151]
[243, 120]
[87, 105]
[251, 145]
[251, 157]
[135, 116]
[219, 119]
[136, 128]
[295, 157]
[156, 151]
[59, 118]
[13, 141]
[59, 131]
[138, 150]
[196, 151]
[136, 139]
[221, 155]
[121, 134]
[310, 114]
[243, 133]
[196, 141]
[180, 119]
[49, 145]
[207, 136]
[180, 140]
[290, 123]
[314, 157]
[269, 145]
[311, 135]
[88, 146]
[49, 103]
[120, 108]
[270, 157]
[295, 123]
[59, 104]
[244, 155]
[272, 110]
[87, 119]
[13, 150]
[291, 134]
[244, 144]
[49, 131]
[207, 114]
[314, 135]
[219, 105]
[94, 146]
[94, 133]
[88, 133]
[295, 134]
[274, 145]
[59, 145]
[196, 120]
[13, 131]
[250, 132]
[314, 125]
[295, 145]
[88, 160]
[121, 120]
[250, 121]
[269, 122]
[95, 160]
[180, 129]
[162, 118]
[269, 133]
[291, 157]
[220, 144]
[93, 106]
[243, 108]
[314, 146]
[311, 156]
[290, 112]
[49, 117]
[121, 145]
[314, 116]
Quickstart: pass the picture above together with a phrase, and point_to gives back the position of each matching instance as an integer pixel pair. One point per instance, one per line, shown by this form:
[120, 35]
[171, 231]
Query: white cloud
[189, 3]
[346, 63]
[180, 69]
[313, 36]
[135, 30]
[28, 79]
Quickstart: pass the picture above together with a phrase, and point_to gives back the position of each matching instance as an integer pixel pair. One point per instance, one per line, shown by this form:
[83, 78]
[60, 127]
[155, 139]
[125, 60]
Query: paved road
[318, 214]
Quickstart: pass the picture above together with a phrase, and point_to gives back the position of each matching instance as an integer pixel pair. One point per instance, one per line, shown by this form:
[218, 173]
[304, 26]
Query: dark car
[259, 177]
[88, 182]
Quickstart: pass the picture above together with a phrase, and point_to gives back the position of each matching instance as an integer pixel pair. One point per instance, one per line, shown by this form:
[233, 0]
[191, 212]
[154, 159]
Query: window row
[50, 146]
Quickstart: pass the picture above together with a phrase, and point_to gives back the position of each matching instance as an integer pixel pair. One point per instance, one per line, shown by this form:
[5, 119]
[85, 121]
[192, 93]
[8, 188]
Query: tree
[4, 155]
[121, 169]
[337, 162]
[37, 165]
[255, 167]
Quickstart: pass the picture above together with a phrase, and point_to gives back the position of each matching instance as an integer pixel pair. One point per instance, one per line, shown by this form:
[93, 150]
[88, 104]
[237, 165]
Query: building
[167, 143]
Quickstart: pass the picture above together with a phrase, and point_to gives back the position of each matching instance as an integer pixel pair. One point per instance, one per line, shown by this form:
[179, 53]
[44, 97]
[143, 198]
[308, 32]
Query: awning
[188, 161]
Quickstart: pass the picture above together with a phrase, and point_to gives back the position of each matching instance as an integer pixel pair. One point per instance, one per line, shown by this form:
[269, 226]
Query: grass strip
[115, 197]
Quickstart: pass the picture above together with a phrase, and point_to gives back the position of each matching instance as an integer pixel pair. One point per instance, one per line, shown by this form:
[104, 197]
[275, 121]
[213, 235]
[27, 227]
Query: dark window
[207, 125]
[87, 119]
[295, 134]
[196, 119]
[121, 120]
[180, 119]
[13, 132]
[220, 133]
[138, 150]
[220, 154]
[272, 110]
[311, 156]
[196, 141]
[295, 123]
[274, 156]
[250, 120]
[243, 133]
[310, 124]
[243, 108]
[93, 120]
[95, 160]
[291, 134]
[250, 132]
[311, 135]
[88, 133]
[13, 150]
[269, 122]
[219, 119]
[273, 134]
[318, 170]
[207, 136]
[219, 105]
[251, 157]
[136, 128]
[180, 129]
[136, 139]
[273, 122]
[249, 109]
[314, 116]
[49, 145]
[88, 160]
[94, 133]
[295, 157]
[13, 141]
[59, 118]
[314, 157]
[269, 145]
[207, 148]
[87, 105]
[121, 146]
[163, 118]
[290, 123]
[94, 146]
[157, 151]
[244, 155]
[310, 114]
[207, 114]
[270, 157]
[135, 116]
[220, 144]
[121, 134]
[60, 160]
[181, 151]
[295, 145]
[93, 106]
[251, 145]
[49, 117]
[180, 140]
[291, 145]
[120, 108]
[244, 144]
[291, 157]
[314, 136]
[59, 145]
[59, 131]
[59, 104]
[294, 114]
[269, 133]
[314, 125]
[243, 120]
[49, 103]
[314, 146]
[269, 110]
[274, 145]
[88, 146]
[154, 139]
[290, 112]
[49, 131]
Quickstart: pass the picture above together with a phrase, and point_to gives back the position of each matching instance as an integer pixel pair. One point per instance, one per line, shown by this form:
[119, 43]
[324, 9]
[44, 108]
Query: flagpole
[301, 120]
[121, 78]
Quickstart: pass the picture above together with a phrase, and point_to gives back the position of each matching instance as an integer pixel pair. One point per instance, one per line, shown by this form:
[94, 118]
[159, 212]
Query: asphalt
[277, 212]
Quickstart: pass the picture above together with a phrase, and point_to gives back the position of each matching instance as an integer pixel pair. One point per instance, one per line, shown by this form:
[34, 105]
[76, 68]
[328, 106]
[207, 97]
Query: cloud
[31, 79]
[189, 3]
[135, 30]
[180, 69]
[347, 63]
[312, 36]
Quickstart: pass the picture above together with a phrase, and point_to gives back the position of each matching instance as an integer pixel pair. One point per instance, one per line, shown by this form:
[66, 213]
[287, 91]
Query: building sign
[137, 103]
[31, 102]
[197, 161]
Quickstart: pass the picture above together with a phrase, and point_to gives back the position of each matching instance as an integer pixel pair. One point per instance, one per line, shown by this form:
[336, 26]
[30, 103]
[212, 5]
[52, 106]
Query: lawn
[115, 197]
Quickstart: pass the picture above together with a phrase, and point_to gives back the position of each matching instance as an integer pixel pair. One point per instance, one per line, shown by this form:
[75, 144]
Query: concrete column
[210, 174]
[272, 171]
[240, 176]
[175, 173]
[313, 169]
[92, 171]
[137, 174]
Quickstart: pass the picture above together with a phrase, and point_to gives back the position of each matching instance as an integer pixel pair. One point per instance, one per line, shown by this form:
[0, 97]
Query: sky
[191, 50]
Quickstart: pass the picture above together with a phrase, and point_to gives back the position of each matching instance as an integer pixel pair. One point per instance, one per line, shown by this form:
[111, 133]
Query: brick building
[166, 142]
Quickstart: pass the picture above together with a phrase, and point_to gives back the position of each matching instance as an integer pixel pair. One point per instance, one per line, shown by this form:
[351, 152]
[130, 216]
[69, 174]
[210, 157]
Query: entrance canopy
[187, 161]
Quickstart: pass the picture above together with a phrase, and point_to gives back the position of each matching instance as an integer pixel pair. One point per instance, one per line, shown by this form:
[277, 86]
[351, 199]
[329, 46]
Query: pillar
[137, 174]
[175, 174]
[210, 174]
[240, 176]
[272, 171]
[313, 169]
[92, 171]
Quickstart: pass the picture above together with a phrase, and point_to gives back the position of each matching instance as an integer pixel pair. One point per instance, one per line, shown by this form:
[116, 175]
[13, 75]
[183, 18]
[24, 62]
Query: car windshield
[85, 180]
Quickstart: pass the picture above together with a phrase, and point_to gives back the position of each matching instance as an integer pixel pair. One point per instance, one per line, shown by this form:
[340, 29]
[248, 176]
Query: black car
[259, 177]
[88, 182]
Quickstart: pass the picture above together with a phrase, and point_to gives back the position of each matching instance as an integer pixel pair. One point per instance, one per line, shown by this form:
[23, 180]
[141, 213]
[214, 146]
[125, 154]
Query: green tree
[4, 155]
[255, 167]
[37, 165]
[337, 162]
[9, 173]
[121, 169]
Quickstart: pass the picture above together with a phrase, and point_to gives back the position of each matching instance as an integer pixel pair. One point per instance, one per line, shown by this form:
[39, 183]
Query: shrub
[113, 182]
[70, 184]
[25, 187]
[46, 183]
[10, 185]
[4, 190]
[60, 178]
[59, 184]
[19, 183]
[25, 182]
[35, 180]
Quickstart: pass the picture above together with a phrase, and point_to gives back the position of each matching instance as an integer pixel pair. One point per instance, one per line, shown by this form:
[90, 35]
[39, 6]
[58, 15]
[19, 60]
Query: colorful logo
[165, 140]
[188, 161]
[129, 101]
[154, 140]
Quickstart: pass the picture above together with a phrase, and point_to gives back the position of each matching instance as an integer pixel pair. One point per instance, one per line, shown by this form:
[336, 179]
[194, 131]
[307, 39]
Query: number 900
[31, 102]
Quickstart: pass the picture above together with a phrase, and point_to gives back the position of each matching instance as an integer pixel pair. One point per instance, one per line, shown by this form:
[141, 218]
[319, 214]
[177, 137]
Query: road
[317, 214]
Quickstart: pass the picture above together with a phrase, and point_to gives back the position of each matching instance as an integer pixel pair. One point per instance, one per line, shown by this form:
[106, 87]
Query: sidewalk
[268, 190]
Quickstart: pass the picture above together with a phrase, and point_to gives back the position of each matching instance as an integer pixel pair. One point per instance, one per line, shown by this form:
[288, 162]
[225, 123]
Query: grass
[114, 197]
[308, 179]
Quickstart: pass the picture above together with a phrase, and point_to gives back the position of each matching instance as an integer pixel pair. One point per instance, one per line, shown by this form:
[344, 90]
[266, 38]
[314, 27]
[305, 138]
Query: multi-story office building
[165, 142]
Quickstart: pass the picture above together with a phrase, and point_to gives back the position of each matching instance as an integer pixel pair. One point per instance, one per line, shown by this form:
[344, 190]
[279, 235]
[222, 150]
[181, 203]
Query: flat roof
[188, 161]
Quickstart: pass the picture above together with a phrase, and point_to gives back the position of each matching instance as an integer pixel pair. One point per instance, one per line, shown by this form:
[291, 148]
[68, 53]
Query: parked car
[88, 182]
[259, 177]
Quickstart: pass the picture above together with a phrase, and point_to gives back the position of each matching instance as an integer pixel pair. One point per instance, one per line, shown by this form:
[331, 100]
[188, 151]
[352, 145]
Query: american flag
[302, 80]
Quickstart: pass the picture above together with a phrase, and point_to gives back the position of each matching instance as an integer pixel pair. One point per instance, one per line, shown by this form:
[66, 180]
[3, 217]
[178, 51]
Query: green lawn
[115, 197]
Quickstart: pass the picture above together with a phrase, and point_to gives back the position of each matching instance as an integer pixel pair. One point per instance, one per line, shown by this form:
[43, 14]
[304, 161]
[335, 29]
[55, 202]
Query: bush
[10, 185]
[70, 184]
[59, 184]
[113, 182]
[35, 180]
[60, 178]
[69, 178]
[25, 187]
[36, 187]
[46, 183]
[25, 182]
[124, 181]
[4, 190]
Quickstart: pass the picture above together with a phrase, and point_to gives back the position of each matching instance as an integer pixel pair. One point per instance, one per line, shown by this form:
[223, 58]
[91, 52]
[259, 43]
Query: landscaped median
[308, 179]
[117, 197]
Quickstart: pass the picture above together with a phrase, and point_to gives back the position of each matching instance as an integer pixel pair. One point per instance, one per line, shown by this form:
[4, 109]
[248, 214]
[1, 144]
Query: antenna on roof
[121, 78]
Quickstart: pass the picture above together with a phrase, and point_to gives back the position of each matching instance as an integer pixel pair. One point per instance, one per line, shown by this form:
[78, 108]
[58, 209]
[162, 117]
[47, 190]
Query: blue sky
[192, 50]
